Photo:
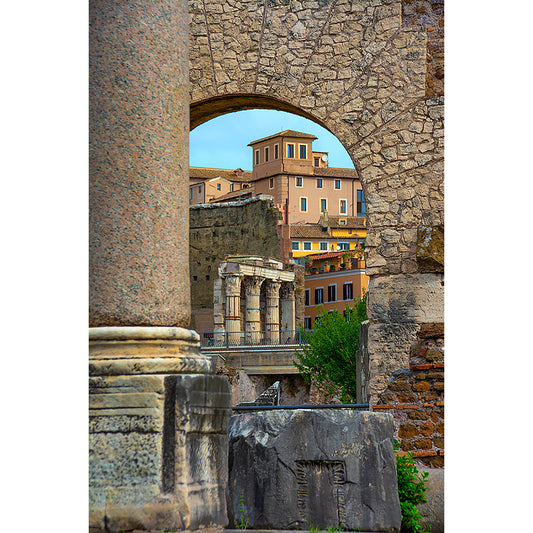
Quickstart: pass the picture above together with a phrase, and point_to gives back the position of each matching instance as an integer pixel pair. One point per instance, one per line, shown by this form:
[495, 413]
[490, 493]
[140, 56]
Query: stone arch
[359, 69]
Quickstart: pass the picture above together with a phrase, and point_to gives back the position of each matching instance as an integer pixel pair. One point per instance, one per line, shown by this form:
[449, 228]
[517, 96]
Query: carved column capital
[287, 290]
[272, 288]
[252, 284]
[232, 284]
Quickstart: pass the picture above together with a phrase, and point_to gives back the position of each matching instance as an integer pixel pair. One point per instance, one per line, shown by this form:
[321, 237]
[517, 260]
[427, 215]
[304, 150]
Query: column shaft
[253, 309]
[233, 308]
[138, 163]
[287, 306]
[272, 310]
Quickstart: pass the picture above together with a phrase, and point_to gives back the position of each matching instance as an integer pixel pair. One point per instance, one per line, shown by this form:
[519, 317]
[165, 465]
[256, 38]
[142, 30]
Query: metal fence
[355, 406]
[251, 338]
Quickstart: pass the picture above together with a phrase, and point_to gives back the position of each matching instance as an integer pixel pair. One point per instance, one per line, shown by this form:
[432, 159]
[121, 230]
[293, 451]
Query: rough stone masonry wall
[371, 72]
[415, 397]
[247, 227]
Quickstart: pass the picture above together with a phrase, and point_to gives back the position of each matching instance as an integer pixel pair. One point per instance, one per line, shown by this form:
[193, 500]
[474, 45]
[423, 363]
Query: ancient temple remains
[254, 301]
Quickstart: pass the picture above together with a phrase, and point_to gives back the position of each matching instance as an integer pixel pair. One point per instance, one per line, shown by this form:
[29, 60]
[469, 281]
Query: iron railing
[251, 338]
[358, 406]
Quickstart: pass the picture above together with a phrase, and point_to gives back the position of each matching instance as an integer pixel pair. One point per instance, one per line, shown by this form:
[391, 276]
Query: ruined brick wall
[371, 72]
[415, 397]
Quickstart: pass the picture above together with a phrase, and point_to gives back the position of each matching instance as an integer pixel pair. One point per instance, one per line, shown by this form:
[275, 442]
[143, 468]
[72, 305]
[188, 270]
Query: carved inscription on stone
[319, 482]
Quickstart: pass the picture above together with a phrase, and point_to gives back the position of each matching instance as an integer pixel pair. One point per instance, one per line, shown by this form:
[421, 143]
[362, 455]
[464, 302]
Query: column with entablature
[252, 286]
[233, 308]
[287, 306]
[272, 310]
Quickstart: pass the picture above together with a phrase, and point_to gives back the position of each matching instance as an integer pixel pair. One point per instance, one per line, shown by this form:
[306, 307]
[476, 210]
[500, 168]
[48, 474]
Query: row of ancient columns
[229, 319]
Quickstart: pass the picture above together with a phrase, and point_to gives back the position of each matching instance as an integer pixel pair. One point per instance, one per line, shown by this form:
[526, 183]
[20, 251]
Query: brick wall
[415, 397]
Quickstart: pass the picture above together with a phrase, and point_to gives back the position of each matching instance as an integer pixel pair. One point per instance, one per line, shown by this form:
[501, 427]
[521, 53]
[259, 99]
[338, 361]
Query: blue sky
[223, 141]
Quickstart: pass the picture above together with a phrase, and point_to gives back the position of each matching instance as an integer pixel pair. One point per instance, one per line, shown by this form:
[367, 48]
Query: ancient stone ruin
[371, 73]
[300, 469]
[267, 314]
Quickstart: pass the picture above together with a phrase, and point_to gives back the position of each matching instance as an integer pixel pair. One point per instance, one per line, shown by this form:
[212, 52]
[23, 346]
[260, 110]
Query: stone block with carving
[303, 469]
[268, 397]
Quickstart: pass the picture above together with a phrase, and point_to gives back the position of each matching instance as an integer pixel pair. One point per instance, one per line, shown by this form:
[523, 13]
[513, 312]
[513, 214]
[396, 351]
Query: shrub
[411, 491]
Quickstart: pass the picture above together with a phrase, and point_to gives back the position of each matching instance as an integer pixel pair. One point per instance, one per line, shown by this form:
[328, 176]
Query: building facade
[217, 184]
[331, 234]
[286, 167]
[332, 281]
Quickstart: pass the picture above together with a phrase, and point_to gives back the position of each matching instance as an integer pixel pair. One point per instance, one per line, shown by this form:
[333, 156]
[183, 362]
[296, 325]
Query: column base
[158, 431]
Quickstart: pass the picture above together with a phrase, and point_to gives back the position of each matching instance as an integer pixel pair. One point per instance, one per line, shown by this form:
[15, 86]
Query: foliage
[241, 522]
[411, 491]
[329, 358]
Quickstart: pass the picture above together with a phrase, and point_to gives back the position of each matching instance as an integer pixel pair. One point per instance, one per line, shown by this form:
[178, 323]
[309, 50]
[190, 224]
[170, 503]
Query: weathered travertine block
[397, 306]
[301, 469]
[406, 298]
[158, 431]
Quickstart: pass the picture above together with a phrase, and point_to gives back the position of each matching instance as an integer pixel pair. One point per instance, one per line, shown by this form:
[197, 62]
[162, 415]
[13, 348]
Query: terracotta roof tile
[240, 194]
[351, 222]
[329, 255]
[210, 173]
[308, 231]
[285, 133]
[334, 172]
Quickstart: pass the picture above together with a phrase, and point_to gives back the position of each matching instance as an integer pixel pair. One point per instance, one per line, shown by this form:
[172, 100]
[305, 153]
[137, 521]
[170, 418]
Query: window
[257, 157]
[307, 322]
[271, 183]
[332, 293]
[317, 161]
[290, 150]
[307, 297]
[299, 181]
[303, 204]
[347, 291]
[319, 296]
[323, 245]
[337, 184]
[361, 204]
[323, 205]
[307, 245]
[218, 186]
[319, 183]
[276, 151]
[303, 151]
[342, 207]
[231, 187]
[343, 246]
[190, 193]
[295, 245]
[266, 154]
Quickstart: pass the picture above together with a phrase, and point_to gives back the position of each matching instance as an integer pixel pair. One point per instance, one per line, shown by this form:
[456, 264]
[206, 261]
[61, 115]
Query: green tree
[329, 357]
